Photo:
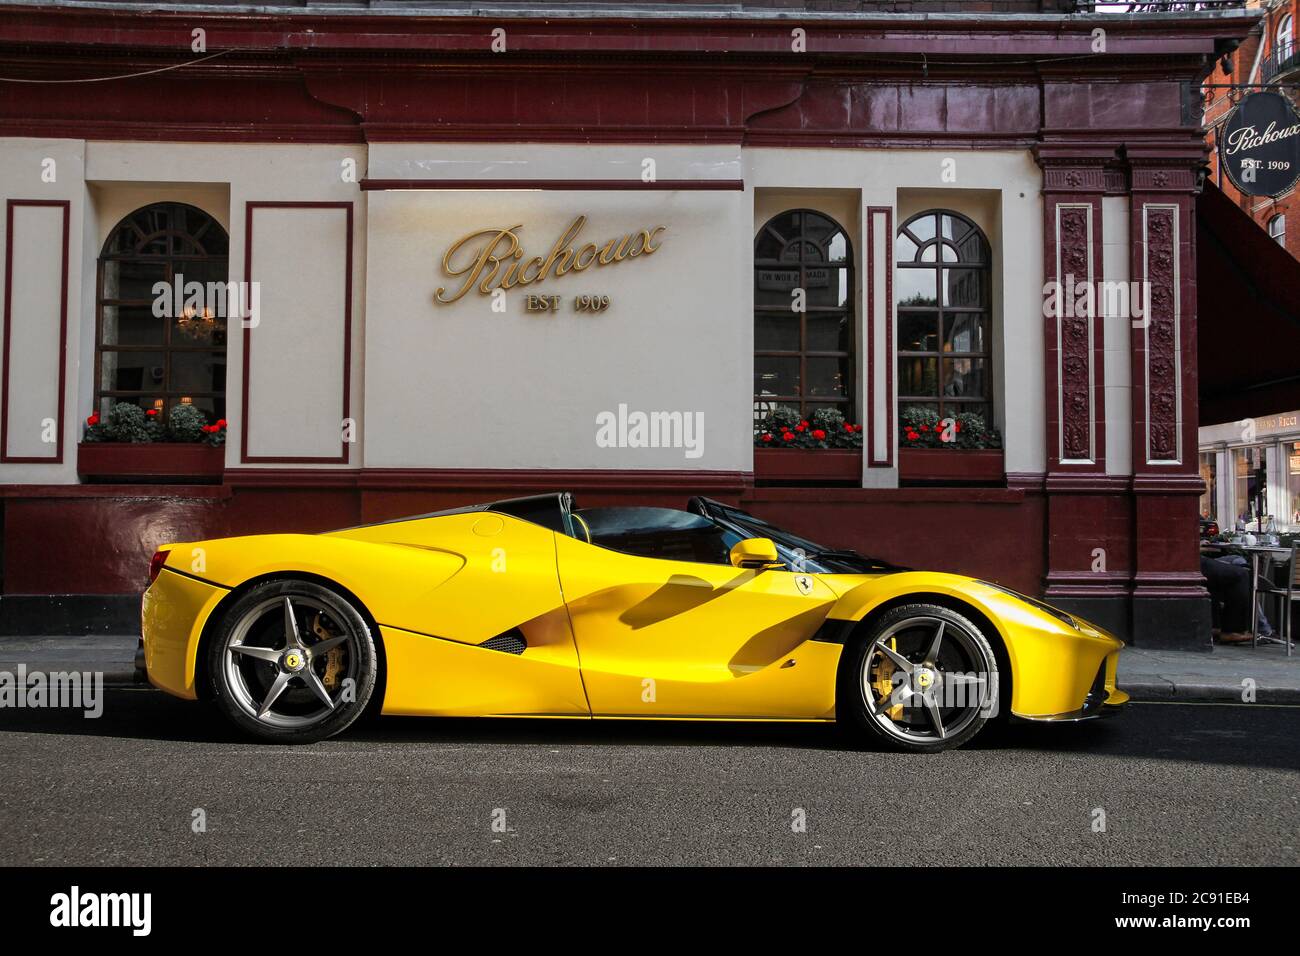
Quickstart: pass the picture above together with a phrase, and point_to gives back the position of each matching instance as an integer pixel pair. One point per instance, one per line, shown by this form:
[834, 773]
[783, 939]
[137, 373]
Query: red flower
[956, 426]
[801, 426]
[925, 428]
[152, 412]
[818, 434]
[767, 437]
[913, 436]
[787, 437]
[221, 423]
[848, 427]
[93, 419]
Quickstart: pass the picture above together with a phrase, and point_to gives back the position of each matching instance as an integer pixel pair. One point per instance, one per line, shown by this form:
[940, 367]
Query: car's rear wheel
[923, 679]
[292, 662]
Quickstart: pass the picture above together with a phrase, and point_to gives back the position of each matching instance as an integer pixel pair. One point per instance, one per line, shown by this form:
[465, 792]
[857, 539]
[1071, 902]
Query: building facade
[598, 249]
[1266, 59]
[1250, 451]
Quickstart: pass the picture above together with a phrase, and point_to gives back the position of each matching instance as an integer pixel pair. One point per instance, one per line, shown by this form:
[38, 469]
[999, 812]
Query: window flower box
[150, 461]
[132, 444]
[948, 465]
[808, 465]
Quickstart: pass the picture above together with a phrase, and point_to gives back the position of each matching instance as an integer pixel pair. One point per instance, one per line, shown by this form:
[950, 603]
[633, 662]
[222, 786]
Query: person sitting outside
[1229, 586]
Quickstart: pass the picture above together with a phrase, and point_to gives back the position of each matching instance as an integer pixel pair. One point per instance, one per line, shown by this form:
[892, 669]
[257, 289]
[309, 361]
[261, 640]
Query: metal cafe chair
[1265, 585]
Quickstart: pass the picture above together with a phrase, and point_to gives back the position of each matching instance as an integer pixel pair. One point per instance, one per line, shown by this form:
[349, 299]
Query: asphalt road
[1178, 784]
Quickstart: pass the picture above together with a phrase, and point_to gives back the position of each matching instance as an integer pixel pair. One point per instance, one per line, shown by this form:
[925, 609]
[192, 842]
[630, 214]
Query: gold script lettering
[478, 265]
[494, 258]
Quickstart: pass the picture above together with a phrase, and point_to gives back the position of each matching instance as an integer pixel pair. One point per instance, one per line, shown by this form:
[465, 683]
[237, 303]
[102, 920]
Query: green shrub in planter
[131, 423]
[783, 427]
[125, 423]
[922, 428]
[186, 424]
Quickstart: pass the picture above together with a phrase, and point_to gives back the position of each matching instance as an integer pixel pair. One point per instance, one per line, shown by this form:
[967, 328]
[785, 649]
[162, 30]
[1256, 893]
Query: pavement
[161, 781]
[1154, 675]
[1231, 673]
[113, 655]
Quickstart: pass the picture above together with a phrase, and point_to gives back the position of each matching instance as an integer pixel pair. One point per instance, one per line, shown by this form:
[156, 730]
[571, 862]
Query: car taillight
[156, 564]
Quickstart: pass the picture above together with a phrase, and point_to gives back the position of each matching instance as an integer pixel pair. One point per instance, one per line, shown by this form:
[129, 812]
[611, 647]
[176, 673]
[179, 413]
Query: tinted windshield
[798, 552]
[686, 536]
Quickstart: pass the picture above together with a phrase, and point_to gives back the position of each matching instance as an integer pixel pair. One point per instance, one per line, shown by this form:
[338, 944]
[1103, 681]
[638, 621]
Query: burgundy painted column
[1088, 518]
[1170, 603]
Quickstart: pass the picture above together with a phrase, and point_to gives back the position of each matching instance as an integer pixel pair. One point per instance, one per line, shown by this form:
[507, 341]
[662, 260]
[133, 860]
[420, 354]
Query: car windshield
[709, 537]
[799, 553]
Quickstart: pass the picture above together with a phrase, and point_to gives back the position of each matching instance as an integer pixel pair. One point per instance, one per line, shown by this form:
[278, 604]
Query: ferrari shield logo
[803, 583]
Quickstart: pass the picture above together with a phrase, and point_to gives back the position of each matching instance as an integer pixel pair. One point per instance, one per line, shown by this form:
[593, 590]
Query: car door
[670, 638]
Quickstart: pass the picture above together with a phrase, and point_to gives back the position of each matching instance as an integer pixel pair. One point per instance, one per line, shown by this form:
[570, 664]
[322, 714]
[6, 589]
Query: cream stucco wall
[1001, 191]
[462, 385]
[42, 170]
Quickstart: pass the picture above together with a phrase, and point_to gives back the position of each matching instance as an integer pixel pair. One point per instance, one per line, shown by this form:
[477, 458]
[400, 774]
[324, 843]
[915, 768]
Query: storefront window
[179, 357]
[1208, 499]
[804, 341]
[1292, 452]
[1249, 482]
[942, 296]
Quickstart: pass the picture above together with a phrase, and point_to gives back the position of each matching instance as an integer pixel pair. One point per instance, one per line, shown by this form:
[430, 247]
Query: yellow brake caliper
[882, 679]
[333, 658]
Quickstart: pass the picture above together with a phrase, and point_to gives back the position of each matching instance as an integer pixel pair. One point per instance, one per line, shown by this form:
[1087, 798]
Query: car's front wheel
[292, 662]
[923, 679]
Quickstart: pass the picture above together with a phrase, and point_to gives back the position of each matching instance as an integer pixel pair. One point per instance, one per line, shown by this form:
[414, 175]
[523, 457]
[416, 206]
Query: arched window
[149, 351]
[804, 338]
[941, 290]
[1277, 229]
[1285, 37]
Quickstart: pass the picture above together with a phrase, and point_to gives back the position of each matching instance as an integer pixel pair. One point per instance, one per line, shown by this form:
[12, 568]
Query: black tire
[965, 673]
[264, 673]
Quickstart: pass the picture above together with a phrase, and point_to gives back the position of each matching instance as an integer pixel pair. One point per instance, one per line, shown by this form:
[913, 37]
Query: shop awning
[1248, 326]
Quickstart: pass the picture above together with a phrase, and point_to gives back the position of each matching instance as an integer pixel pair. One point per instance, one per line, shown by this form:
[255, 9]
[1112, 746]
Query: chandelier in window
[197, 324]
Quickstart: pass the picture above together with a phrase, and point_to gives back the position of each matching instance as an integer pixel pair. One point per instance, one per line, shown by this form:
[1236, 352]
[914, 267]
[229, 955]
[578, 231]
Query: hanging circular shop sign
[1260, 145]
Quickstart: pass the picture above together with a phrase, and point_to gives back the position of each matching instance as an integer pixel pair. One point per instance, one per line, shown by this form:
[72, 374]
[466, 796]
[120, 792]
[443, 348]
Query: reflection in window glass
[943, 254]
[965, 333]
[803, 359]
[918, 331]
[1292, 452]
[161, 362]
[916, 288]
[1208, 507]
[918, 376]
[1249, 482]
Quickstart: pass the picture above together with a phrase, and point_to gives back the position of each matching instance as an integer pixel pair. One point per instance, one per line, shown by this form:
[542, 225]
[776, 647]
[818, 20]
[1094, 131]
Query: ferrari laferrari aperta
[533, 607]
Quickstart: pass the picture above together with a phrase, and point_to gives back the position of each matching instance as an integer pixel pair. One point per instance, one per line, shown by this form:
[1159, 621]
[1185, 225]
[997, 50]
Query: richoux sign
[1259, 145]
[492, 259]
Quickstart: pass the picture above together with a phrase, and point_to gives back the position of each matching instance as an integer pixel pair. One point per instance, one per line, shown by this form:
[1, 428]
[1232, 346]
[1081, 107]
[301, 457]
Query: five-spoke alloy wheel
[293, 662]
[923, 679]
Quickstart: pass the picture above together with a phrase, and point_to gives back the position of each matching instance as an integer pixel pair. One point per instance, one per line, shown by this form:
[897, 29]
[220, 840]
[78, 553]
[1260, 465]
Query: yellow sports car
[533, 607]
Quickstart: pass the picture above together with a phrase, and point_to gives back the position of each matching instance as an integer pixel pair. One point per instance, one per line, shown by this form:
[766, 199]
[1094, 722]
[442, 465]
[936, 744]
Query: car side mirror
[755, 554]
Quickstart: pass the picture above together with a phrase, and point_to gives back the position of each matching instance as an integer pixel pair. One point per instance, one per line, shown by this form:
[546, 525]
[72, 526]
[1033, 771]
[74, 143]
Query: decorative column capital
[1158, 169]
[1074, 169]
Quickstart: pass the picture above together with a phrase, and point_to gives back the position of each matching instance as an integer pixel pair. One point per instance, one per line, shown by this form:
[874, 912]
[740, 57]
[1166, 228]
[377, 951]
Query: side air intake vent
[511, 642]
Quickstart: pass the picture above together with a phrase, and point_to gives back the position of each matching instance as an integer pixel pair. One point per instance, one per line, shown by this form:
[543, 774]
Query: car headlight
[1035, 603]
